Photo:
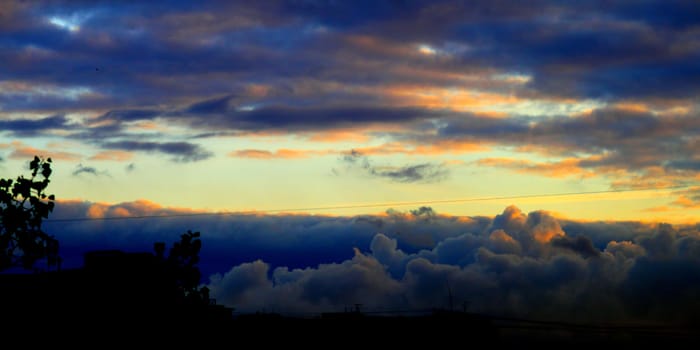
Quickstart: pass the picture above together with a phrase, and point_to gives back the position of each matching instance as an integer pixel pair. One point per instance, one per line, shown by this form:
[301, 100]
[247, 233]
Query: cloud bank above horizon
[531, 265]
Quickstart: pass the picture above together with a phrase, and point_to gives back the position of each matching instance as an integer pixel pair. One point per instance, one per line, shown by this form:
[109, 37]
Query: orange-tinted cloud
[659, 209]
[119, 156]
[636, 107]
[141, 207]
[146, 125]
[441, 147]
[22, 151]
[651, 178]
[377, 45]
[340, 136]
[282, 153]
[564, 168]
[441, 98]
[687, 198]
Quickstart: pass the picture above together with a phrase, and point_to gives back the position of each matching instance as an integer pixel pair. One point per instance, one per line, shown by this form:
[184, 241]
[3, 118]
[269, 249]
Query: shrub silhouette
[23, 206]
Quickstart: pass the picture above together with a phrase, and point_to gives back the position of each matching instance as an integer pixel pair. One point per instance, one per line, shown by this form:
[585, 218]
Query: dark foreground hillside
[133, 293]
[111, 285]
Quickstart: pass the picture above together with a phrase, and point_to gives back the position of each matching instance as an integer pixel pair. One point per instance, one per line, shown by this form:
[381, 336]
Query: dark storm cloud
[223, 113]
[34, 127]
[516, 264]
[416, 173]
[129, 65]
[181, 151]
[285, 118]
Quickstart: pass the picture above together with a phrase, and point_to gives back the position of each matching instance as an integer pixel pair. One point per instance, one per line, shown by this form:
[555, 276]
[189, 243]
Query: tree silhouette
[23, 206]
[182, 263]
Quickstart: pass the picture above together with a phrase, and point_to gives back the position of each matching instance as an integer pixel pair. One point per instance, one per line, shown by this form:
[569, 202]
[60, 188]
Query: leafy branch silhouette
[23, 205]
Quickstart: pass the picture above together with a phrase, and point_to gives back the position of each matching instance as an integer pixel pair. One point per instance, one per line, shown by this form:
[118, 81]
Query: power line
[369, 205]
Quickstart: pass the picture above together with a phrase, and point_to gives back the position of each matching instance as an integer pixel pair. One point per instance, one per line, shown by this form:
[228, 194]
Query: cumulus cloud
[517, 264]
[565, 278]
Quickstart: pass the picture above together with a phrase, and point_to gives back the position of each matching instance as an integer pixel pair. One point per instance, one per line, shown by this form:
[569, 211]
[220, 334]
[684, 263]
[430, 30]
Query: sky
[280, 112]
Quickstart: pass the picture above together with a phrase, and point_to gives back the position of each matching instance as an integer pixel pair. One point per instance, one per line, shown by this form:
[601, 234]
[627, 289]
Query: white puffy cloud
[522, 265]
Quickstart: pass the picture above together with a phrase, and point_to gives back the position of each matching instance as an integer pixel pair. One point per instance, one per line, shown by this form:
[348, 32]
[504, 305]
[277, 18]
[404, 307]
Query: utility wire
[369, 205]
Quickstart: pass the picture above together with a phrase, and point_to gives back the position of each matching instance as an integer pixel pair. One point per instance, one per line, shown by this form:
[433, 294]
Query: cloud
[581, 244]
[384, 149]
[627, 145]
[82, 169]
[209, 49]
[181, 151]
[687, 198]
[212, 106]
[232, 239]
[424, 172]
[436, 148]
[421, 76]
[127, 115]
[282, 153]
[295, 119]
[624, 145]
[119, 156]
[562, 168]
[501, 265]
[577, 283]
[418, 173]
[33, 127]
[23, 151]
[631, 147]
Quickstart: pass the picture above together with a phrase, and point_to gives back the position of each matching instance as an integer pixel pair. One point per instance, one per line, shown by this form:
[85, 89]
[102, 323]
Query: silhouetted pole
[449, 294]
